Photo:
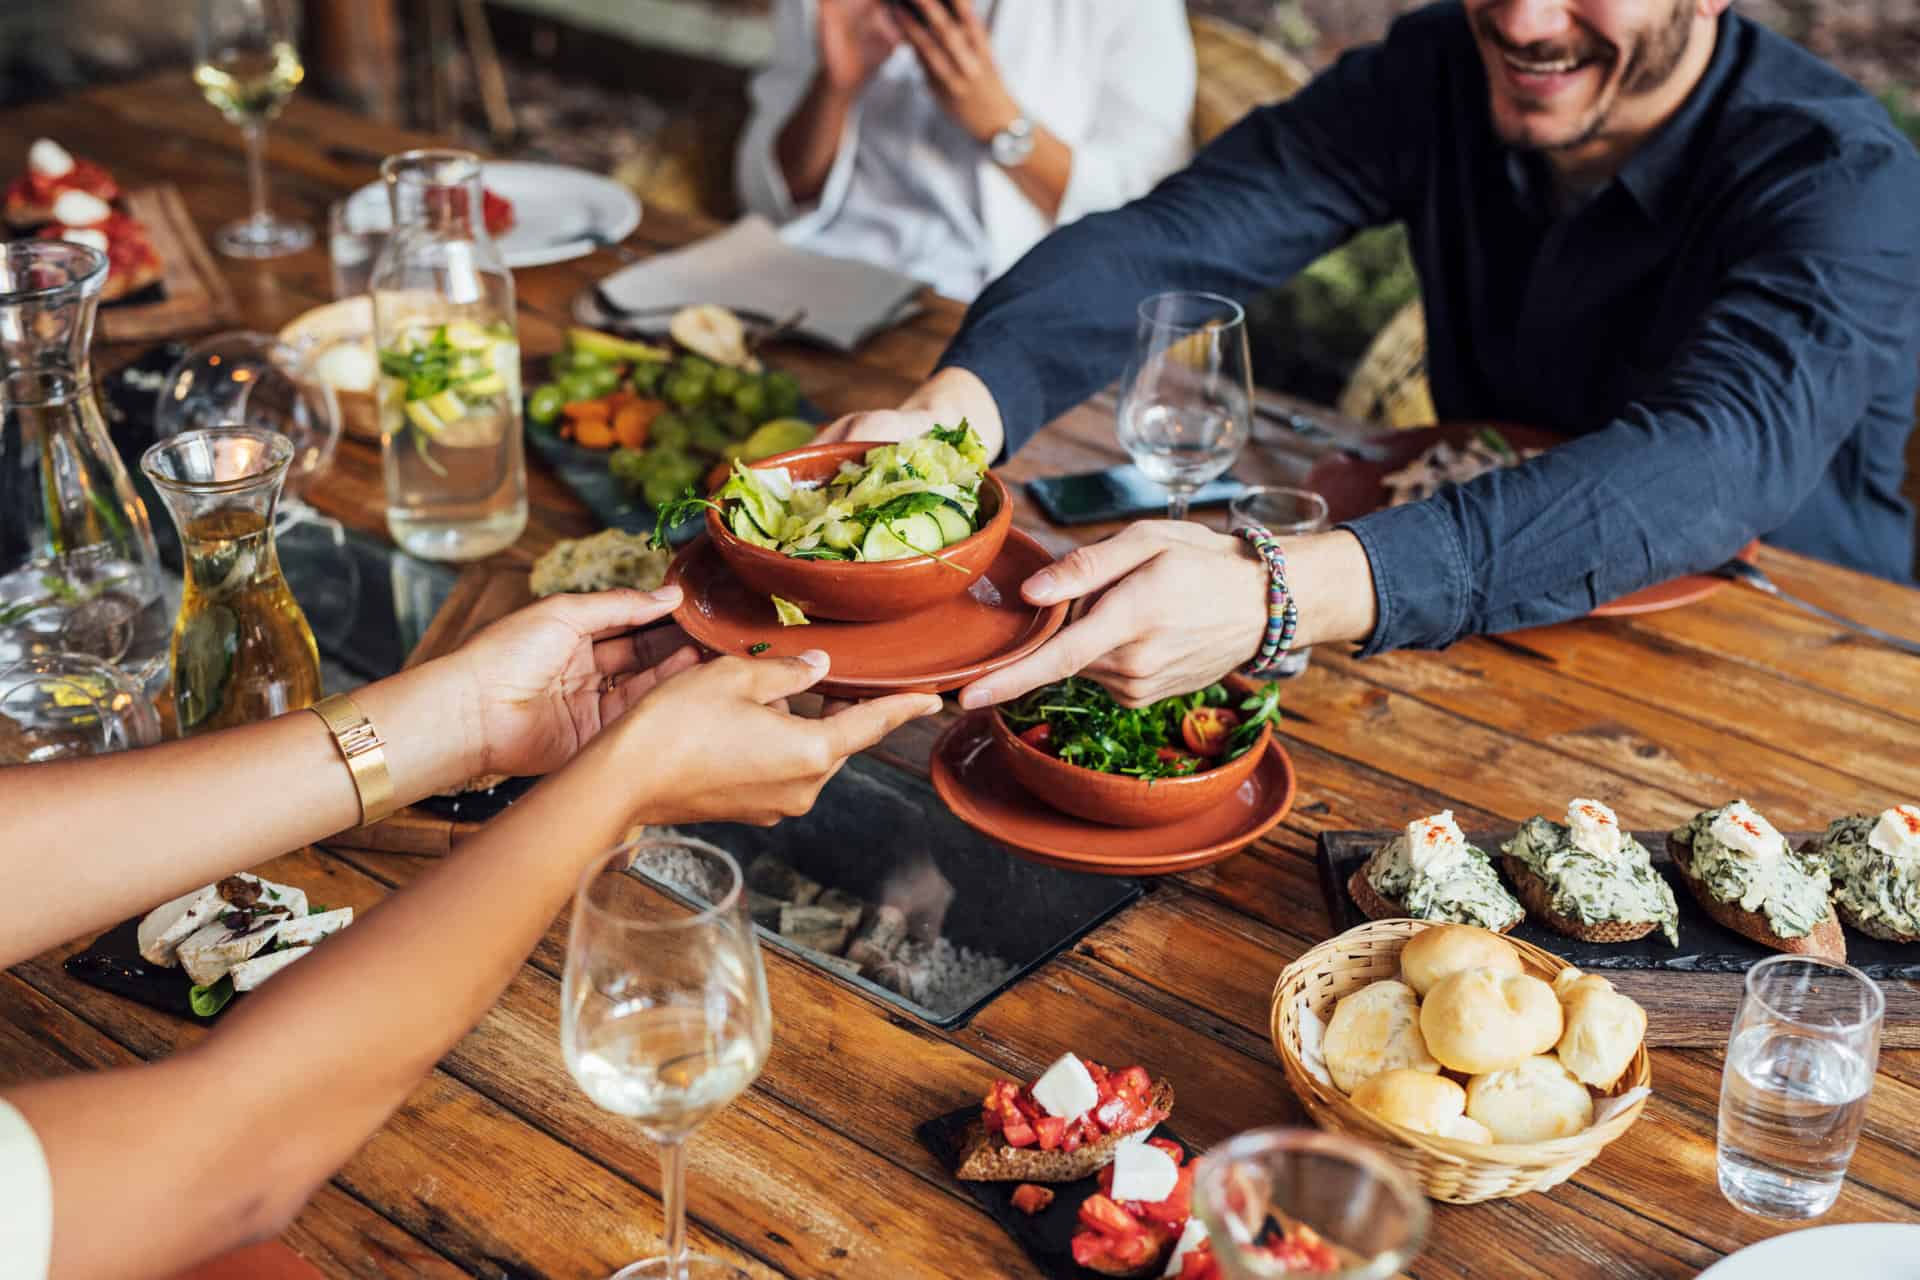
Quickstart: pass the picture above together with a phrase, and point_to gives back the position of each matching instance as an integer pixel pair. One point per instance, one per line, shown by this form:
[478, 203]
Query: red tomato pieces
[1301, 1250]
[1030, 1199]
[1126, 1104]
[1038, 737]
[1130, 1234]
[1206, 730]
[1052, 1132]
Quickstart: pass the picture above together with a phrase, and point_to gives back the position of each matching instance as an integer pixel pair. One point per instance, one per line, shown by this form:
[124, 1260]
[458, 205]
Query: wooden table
[497, 1165]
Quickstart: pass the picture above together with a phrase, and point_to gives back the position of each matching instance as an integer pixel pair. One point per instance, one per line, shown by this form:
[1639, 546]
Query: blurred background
[653, 92]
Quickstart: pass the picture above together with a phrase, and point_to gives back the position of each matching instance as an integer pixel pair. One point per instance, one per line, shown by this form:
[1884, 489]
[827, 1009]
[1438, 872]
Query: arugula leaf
[207, 1001]
[955, 436]
[1090, 729]
[907, 504]
[672, 513]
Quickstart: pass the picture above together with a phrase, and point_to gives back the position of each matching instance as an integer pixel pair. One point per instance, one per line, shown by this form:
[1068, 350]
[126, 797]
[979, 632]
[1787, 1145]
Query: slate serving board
[1695, 1010]
[1047, 1236]
[113, 964]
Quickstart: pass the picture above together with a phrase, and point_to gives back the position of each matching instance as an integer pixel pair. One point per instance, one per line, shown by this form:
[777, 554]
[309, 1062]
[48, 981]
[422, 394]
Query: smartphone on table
[1118, 493]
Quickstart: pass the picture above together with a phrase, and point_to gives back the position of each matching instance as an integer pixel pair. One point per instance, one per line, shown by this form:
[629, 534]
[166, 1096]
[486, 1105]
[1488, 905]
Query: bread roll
[1419, 1101]
[1432, 954]
[1533, 1102]
[1481, 1020]
[1375, 1029]
[1603, 1028]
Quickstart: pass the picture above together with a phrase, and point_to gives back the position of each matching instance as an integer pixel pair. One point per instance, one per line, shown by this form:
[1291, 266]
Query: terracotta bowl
[854, 591]
[1119, 801]
[346, 322]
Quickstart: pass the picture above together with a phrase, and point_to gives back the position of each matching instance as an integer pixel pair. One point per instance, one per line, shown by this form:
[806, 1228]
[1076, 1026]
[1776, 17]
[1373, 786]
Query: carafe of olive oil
[242, 649]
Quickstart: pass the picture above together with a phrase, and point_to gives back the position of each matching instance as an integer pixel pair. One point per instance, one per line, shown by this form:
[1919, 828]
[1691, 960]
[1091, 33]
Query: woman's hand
[537, 685]
[950, 397]
[856, 36]
[957, 55]
[717, 742]
[1176, 607]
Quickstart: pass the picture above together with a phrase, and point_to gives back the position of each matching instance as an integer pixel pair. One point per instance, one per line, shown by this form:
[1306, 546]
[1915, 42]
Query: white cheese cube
[1189, 1240]
[208, 954]
[78, 209]
[1066, 1090]
[171, 923]
[1595, 828]
[88, 236]
[49, 159]
[1145, 1173]
[1897, 834]
[1434, 842]
[1748, 834]
[249, 974]
[310, 929]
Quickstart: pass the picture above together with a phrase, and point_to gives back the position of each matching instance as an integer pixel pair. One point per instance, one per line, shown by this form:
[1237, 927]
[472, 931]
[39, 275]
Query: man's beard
[1655, 60]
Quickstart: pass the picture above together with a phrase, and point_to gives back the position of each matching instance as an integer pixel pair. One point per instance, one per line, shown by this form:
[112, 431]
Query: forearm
[810, 140]
[186, 813]
[223, 1143]
[1332, 582]
[953, 395]
[1043, 176]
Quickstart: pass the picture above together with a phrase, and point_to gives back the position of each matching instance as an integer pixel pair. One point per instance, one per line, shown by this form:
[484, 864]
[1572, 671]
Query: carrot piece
[594, 433]
[581, 409]
[630, 426]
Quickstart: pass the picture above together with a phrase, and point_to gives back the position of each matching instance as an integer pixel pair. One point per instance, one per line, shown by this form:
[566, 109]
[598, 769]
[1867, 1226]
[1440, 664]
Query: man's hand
[946, 399]
[1176, 607]
[856, 36]
[957, 55]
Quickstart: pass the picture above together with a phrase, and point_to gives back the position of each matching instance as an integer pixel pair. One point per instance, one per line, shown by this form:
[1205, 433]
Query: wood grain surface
[497, 1165]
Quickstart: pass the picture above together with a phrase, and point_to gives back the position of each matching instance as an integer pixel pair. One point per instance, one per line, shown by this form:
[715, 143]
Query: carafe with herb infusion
[449, 352]
[242, 649]
[78, 571]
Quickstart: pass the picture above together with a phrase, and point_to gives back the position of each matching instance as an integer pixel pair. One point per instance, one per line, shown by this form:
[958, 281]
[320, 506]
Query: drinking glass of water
[1793, 1096]
[663, 1014]
[1186, 399]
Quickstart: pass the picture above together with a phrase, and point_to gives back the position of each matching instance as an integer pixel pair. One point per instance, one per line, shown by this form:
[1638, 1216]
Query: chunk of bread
[609, 559]
[1825, 940]
[1375, 1029]
[984, 1158]
[1375, 907]
[1537, 897]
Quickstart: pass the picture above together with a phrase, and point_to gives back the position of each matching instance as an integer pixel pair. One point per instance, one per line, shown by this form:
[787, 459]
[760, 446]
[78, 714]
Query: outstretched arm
[222, 1144]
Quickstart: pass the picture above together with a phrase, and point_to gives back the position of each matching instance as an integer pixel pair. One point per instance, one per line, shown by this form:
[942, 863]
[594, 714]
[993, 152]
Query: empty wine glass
[247, 64]
[1186, 400]
[664, 1014]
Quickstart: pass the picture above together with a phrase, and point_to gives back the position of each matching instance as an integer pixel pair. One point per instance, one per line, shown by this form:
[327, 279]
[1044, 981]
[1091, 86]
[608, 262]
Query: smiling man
[1652, 225]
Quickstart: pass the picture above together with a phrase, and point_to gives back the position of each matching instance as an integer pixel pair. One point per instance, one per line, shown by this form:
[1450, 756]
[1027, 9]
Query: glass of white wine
[247, 64]
[664, 1014]
[1186, 400]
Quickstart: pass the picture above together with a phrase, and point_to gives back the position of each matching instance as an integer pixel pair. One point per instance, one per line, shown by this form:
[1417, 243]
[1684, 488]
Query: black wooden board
[1047, 1236]
[1705, 947]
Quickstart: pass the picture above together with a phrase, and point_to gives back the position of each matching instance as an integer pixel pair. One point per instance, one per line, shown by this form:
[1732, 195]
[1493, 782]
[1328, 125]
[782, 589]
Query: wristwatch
[1012, 145]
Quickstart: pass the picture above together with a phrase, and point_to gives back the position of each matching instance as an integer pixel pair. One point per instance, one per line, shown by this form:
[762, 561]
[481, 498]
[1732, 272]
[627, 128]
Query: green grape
[544, 405]
[725, 381]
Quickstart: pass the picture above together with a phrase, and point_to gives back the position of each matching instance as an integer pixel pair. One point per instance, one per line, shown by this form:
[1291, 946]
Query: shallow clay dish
[1113, 799]
[348, 322]
[1352, 487]
[970, 775]
[953, 642]
[857, 591]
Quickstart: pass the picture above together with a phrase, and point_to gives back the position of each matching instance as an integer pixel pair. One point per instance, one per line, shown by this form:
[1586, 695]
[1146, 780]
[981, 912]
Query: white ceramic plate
[1858, 1251]
[557, 210]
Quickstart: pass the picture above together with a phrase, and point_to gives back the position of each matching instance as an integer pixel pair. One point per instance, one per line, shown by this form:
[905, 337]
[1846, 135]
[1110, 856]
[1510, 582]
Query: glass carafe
[242, 649]
[78, 571]
[443, 324]
[62, 705]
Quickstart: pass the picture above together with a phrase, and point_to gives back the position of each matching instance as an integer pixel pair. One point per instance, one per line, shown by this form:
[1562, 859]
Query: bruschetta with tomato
[51, 172]
[1064, 1126]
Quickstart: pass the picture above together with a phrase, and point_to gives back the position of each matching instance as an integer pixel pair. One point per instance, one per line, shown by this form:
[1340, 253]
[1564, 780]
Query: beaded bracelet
[1283, 614]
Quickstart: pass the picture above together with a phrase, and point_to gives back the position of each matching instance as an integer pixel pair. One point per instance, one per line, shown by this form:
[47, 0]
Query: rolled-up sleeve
[26, 1200]
[1818, 305]
[1141, 124]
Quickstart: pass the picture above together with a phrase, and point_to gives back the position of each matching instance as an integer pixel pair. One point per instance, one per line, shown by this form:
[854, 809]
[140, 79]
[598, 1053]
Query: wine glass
[1186, 400]
[247, 65]
[664, 1013]
[1264, 1192]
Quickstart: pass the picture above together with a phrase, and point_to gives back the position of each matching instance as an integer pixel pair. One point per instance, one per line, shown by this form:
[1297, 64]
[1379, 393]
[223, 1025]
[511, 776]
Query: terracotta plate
[968, 774]
[953, 643]
[1351, 486]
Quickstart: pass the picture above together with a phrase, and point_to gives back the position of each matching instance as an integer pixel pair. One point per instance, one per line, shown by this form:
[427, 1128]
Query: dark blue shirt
[1728, 328]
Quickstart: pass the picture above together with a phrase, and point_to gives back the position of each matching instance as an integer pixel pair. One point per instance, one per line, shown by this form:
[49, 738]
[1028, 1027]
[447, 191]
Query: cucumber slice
[465, 335]
[446, 406]
[487, 384]
[204, 650]
[740, 520]
[423, 417]
[915, 535]
[953, 525]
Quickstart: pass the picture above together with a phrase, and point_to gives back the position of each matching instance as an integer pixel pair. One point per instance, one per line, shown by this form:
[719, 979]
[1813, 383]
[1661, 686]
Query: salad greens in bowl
[1075, 748]
[858, 532]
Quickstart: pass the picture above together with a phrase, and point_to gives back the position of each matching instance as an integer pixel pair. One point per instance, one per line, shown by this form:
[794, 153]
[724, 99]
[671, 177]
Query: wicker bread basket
[1446, 1168]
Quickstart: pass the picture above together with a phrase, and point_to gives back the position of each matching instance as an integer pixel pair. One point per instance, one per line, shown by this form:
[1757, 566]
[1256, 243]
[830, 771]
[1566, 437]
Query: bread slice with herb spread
[1589, 879]
[1876, 871]
[1430, 872]
[1748, 879]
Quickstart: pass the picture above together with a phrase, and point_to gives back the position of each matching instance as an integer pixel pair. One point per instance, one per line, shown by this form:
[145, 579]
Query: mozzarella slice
[49, 159]
[1595, 828]
[1744, 831]
[1144, 1173]
[211, 952]
[1066, 1090]
[1189, 1240]
[78, 209]
[249, 974]
[310, 929]
[1434, 842]
[170, 923]
[1897, 834]
[88, 236]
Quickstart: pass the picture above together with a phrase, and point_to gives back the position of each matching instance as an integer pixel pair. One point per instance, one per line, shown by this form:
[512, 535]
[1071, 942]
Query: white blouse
[909, 189]
[26, 1200]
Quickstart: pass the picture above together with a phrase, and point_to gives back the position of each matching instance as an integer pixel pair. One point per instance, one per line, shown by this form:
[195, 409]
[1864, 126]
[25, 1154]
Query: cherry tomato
[1169, 755]
[1038, 736]
[1206, 730]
